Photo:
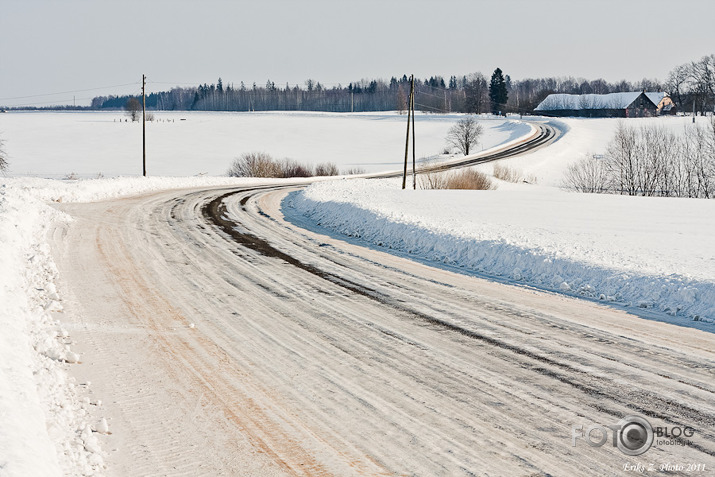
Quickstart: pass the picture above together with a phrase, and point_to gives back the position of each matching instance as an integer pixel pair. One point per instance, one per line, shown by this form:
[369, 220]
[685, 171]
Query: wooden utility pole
[144, 125]
[407, 141]
[412, 105]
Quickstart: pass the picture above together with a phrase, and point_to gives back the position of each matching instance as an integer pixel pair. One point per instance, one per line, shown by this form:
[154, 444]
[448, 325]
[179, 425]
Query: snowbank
[650, 253]
[92, 190]
[43, 430]
[44, 425]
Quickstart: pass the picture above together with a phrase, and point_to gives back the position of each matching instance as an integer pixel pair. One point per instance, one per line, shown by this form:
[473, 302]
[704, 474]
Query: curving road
[225, 340]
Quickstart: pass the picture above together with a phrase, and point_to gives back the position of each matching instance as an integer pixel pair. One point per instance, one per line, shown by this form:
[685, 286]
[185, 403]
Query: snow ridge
[43, 423]
[376, 212]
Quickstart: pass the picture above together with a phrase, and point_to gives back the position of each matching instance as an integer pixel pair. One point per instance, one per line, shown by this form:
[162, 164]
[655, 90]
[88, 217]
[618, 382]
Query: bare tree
[133, 108]
[622, 160]
[587, 175]
[702, 82]
[676, 84]
[476, 94]
[465, 134]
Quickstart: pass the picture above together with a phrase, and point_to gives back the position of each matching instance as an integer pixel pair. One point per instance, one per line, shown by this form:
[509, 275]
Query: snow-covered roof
[656, 97]
[555, 102]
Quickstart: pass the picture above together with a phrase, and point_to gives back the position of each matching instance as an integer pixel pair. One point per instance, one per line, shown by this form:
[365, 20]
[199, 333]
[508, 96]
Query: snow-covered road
[223, 339]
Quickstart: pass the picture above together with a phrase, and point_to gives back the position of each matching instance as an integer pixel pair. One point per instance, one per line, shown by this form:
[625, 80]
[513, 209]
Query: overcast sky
[72, 45]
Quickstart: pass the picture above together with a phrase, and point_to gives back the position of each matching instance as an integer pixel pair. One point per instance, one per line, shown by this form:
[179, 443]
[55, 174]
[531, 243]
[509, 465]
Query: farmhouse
[613, 105]
[663, 102]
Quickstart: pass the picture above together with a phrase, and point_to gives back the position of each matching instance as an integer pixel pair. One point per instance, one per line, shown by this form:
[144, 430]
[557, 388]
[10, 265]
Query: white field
[653, 255]
[53, 145]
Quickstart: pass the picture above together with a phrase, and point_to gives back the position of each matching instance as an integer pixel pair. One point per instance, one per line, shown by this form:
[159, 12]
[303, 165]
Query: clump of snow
[102, 427]
[628, 250]
[41, 417]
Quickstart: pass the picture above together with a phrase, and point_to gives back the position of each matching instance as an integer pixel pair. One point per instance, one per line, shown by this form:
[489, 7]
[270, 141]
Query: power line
[67, 92]
[61, 101]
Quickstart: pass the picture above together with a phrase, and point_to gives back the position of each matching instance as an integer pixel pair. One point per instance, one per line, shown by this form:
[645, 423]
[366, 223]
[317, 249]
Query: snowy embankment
[43, 425]
[47, 428]
[653, 254]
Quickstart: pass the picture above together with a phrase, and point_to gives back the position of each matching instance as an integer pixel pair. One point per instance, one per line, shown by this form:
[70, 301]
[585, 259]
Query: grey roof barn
[613, 105]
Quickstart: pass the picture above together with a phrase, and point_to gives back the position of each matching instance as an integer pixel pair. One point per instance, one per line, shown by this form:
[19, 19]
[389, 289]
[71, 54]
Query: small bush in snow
[260, 164]
[463, 179]
[353, 171]
[587, 175]
[292, 168]
[326, 169]
[255, 164]
[507, 173]
[432, 179]
[470, 179]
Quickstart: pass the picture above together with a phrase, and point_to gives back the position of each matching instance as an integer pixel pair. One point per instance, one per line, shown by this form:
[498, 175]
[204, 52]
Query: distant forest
[466, 94]
[690, 84]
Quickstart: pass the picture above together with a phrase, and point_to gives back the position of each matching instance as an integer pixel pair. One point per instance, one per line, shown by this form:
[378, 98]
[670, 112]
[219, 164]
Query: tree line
[690, 84]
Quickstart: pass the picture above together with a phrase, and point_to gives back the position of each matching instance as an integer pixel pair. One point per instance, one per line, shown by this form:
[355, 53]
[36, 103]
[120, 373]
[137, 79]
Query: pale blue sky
[62, 46]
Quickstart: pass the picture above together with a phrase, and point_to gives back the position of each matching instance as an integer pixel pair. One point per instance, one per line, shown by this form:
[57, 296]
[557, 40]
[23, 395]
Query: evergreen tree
[497, 92]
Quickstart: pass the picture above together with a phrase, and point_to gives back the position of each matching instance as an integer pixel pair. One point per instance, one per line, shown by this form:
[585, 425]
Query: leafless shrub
[72, 176]
[433, 180]
[463, 179]
[255, 164]
[260, 164]
[327, 169]
[292, 168]
[470, 179]
[354, 171]
[150, 117]
[507, 173]
[587, 175]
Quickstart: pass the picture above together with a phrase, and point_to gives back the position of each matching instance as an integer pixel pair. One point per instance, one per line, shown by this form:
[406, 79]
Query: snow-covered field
[87, 144]
[652, 254]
